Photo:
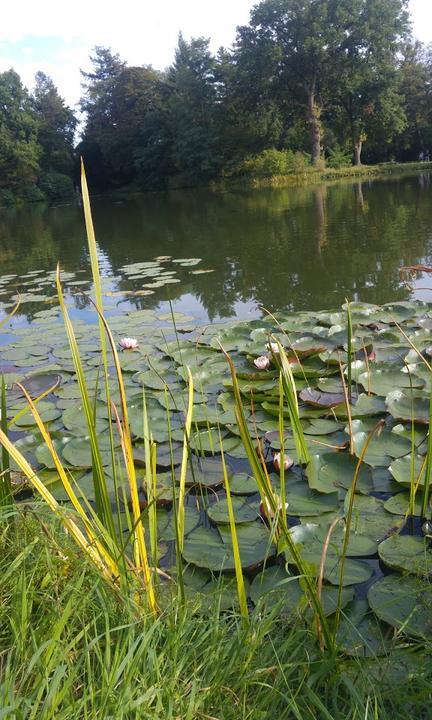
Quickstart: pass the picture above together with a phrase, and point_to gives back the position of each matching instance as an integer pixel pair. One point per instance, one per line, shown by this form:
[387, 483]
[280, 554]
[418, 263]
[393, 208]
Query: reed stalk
[241, 591]
[271, 501]
[5, 479]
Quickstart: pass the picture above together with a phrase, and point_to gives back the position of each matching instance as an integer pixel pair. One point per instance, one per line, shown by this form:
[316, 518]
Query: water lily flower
[262, 362]
[288, 462]
[272, 347]
[128, 343]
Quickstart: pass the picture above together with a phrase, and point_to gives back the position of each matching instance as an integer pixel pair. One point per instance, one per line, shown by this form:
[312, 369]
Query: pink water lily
[262, 362]
[128, 343]
[272, 347]
[288, 462]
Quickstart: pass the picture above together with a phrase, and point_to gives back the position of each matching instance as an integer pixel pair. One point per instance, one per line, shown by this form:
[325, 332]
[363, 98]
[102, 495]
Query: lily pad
[360, 633]
[405, 603]
[243, 511]
[212, 549]
[407, 554]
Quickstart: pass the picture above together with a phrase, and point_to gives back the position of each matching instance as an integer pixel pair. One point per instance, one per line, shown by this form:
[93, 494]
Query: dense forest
[307, 83]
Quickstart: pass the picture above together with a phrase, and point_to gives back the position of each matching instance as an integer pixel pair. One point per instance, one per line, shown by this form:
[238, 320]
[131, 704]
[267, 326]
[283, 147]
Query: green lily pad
[399, 504]
[212, 549]
[209, 442]
[382, 447]
[303, 501]
[407, 554]
[401, 470]
[382, 381]
[404, 405]
[312, 538]
[370, 518]
[243, 511]
[274, 586]
[360, 633]
[405, 602]
[243, 484]
[207, 472]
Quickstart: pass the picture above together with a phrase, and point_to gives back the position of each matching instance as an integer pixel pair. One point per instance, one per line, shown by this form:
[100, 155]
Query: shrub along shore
[312, 176]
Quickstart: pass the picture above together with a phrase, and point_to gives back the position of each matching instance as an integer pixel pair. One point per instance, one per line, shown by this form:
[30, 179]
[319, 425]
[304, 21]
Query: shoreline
[317, 177]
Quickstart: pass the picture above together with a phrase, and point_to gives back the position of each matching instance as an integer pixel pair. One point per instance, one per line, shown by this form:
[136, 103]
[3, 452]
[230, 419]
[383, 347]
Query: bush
[272, 162]
[57, 187]
[339, 158]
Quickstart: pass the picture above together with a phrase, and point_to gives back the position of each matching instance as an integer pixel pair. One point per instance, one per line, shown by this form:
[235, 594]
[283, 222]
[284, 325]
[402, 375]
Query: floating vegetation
[389, 385]
[132, 280]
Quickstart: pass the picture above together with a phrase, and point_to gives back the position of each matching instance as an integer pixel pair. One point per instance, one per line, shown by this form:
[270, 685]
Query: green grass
[72, 649]
[313, 176]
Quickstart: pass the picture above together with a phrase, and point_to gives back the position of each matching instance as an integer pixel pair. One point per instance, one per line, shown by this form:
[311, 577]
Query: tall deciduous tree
[416, 89]
[295, 44]
[366, 84]
[310, 52]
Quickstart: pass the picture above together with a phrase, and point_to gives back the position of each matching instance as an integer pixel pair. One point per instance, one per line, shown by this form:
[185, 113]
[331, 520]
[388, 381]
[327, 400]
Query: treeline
[37, 155]
[307, 83]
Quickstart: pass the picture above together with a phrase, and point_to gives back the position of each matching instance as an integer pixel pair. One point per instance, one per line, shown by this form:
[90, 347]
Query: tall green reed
[5, 479]
[269, 498]
[426, 491]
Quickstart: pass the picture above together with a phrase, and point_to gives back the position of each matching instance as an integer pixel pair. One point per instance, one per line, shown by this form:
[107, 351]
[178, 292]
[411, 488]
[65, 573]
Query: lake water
[292, 248]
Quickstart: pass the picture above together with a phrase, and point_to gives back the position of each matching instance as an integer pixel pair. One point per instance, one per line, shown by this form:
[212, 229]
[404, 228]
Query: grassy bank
[309, 176]
[313, 177]
[71, 648]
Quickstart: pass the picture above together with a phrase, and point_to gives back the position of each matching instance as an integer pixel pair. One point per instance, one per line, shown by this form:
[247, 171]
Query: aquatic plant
[171, 465]
[128, 343]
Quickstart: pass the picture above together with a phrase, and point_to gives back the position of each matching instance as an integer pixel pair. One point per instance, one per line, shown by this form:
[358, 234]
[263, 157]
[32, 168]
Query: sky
[57, 36]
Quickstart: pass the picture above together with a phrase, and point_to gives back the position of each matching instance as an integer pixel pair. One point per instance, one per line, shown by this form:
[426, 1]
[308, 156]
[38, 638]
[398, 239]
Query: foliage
[273, 162]
[57, 187]
[56, 127]
[321, 79]
[338, 158]
[19, 149]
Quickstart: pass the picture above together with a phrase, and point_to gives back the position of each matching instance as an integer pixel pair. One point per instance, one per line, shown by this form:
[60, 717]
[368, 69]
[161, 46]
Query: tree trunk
[314, 121]
[357, 152]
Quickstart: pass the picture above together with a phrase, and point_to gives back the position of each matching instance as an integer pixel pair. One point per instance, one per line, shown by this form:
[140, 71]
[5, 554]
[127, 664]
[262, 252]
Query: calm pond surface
[292, 248]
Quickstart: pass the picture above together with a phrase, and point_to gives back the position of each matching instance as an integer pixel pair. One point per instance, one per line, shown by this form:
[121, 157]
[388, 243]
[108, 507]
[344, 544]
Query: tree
[193, 113]
[141, 141]
[97, 104]
[294, 44]
[365, 74]
[415, 77]
[308, 53]
[19, 149]
[56, 126]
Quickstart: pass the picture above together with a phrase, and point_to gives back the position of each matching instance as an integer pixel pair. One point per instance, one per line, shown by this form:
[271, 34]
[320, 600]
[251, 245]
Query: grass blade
[184, 462]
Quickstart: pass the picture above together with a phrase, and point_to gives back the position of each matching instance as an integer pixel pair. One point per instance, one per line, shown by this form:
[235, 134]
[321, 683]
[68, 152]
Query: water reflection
[302, 248]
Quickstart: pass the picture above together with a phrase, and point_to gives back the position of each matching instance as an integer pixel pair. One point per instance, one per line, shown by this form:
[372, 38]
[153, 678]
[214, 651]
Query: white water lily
[272, 347]
[288, 462]
[262, 362]
[128, 343]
